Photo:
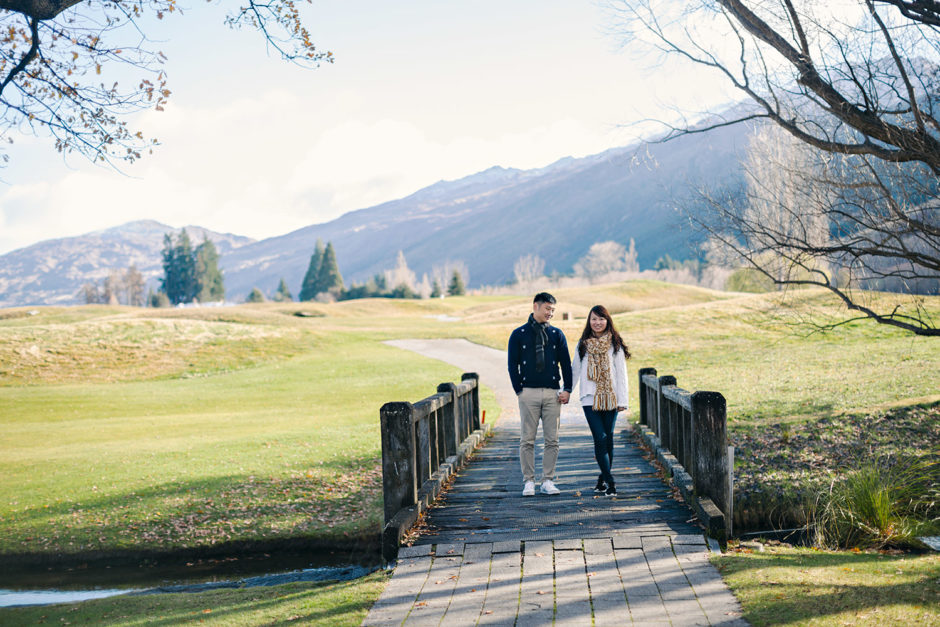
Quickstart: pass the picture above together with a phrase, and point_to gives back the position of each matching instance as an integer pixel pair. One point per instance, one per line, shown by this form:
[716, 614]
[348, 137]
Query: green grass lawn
[282, 449]
[328, 604]
[797, 586]
[125, 429]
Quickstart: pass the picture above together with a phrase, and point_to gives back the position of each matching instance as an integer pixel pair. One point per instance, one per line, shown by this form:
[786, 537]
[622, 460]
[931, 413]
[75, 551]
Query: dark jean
[602, 428]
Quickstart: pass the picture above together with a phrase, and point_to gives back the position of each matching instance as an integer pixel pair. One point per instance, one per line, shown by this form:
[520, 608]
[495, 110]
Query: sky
[420, 91]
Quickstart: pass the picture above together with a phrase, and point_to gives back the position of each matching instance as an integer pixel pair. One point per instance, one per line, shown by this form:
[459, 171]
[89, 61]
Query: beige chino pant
[539, 404]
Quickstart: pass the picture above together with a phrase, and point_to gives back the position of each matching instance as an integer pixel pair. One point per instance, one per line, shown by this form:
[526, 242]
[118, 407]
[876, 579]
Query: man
[537, 351]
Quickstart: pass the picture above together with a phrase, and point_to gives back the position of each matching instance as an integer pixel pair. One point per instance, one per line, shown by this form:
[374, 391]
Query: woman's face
[598, 323]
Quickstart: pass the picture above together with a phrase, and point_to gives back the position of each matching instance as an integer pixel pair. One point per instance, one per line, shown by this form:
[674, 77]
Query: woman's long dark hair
[615, 340]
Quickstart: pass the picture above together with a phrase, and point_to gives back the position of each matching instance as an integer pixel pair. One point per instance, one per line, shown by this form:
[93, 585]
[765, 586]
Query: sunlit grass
[280, 450]
[130, 428]
[796, 586]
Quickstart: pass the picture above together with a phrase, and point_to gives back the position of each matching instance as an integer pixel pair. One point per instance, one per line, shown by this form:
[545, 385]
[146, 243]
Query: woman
[599, 367]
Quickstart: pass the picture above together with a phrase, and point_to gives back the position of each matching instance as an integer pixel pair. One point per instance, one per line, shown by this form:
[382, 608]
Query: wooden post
[674, 416]
[686, 430]
[662, 420]
[711, 451]
[422, 449]
[399, 475]
[474, 400]
[451, 417]
[644, 404]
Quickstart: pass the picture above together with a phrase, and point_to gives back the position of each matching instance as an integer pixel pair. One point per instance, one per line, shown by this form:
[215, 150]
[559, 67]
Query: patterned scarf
[541, 339]
[598, 371]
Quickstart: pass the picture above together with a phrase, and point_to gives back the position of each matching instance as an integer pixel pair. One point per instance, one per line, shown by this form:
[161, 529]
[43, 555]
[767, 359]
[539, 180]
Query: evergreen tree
[208, 275]
[170, 278]
[255, 297]
[310, 287]
[329, 276]
[185, 259]
[283, 293]
[180, 282]
[436, 291]
[456, 287]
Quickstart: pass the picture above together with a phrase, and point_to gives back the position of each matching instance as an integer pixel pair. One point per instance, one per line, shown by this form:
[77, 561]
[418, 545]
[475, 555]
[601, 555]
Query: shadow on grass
[335, 508]
[780, 589]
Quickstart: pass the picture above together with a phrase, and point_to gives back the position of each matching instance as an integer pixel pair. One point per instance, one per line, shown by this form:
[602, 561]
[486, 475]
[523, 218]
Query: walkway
[489, 556]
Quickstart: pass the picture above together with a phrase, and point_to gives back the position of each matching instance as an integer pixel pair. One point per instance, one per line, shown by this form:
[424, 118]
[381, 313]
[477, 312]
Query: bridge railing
[690, 430]
[423, 443]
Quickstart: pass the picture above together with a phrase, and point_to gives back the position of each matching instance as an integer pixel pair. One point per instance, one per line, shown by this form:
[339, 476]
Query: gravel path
[487, 362]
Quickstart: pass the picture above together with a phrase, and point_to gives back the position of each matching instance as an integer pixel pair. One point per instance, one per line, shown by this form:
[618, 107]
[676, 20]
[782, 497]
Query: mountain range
[486, 221]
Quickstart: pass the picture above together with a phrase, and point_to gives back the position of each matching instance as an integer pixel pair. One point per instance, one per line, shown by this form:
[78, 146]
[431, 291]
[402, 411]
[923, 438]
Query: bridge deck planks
[489, 556]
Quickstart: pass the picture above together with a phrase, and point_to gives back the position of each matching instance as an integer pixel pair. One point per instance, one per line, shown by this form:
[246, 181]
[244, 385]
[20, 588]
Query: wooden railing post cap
[396, 407]
[644, 371]
[446, 387]
[469, 375]
[708, 399]
[667, 379]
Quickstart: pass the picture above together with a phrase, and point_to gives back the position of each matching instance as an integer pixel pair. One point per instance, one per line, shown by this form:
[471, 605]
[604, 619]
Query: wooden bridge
[484, 554]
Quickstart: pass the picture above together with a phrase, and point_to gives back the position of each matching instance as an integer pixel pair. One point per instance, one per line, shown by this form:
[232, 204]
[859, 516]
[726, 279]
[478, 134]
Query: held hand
[620, 409]
[563, 397]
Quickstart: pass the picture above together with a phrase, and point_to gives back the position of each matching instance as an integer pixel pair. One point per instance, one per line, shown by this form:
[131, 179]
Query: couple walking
[544, 377]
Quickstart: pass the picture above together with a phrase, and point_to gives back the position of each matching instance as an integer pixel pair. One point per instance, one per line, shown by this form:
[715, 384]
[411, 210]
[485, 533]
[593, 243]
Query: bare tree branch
[60, 87]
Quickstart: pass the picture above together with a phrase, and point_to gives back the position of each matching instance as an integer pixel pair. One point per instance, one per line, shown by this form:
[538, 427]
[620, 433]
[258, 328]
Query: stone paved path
[488, 556]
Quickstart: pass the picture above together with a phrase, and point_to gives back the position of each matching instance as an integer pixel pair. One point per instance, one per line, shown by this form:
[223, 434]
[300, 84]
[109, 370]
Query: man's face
[543, 312]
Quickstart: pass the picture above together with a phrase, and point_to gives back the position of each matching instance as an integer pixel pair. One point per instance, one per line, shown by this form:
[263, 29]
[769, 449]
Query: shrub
[886, 503]
[749, 280]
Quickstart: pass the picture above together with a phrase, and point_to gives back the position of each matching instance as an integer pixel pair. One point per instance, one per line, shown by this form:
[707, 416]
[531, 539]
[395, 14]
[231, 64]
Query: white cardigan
[618, 371]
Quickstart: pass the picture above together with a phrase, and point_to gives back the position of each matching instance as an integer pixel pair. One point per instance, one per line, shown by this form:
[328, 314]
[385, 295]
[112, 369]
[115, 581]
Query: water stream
[84, 583]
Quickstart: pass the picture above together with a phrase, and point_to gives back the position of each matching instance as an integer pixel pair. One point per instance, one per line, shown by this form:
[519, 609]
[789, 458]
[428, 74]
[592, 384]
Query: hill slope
[52, 272]
[490, 219]
[486, 220]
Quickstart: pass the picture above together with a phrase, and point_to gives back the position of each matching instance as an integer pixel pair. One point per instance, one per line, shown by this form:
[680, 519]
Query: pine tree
[283, 294]
[170, 278]
[186, 267]
[329, 277]
[436, 291]
[310, 287]
[180, 280]
[456, 287]
[255, 297]
[209, 279]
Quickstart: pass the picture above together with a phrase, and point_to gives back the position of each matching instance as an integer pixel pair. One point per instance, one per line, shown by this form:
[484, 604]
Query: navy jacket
[521, 351]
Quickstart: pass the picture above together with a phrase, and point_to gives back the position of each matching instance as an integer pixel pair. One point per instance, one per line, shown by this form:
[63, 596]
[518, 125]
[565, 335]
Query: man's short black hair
[544, 297]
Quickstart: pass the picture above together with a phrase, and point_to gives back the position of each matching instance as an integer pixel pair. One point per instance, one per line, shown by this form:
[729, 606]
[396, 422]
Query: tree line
[324, 281]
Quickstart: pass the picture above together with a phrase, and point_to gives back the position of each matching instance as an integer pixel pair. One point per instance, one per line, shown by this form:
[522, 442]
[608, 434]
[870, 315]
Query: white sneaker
[529, 489]
[549, 488]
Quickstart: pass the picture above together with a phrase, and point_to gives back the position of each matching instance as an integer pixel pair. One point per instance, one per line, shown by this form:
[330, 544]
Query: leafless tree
[401, 274]
[602, 258]
[134, 287]
[528, 268]
[859, 82]
[89, 293]
[60, 61]
[849, 223]
[630, 263]
[444, 272]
